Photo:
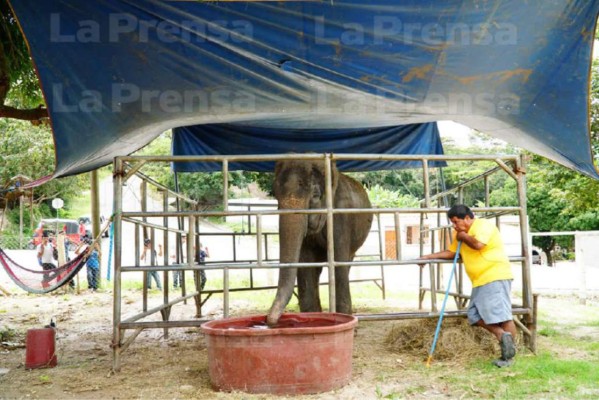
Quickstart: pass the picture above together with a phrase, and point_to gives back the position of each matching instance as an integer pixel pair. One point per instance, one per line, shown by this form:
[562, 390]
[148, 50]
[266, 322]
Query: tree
[20, 94]
[28, 150]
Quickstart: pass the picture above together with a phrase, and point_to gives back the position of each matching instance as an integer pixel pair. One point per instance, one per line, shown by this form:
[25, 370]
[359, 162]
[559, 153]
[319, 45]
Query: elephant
[300, 184]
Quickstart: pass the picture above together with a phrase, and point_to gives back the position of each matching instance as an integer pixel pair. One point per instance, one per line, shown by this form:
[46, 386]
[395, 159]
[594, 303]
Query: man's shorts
[491, 303]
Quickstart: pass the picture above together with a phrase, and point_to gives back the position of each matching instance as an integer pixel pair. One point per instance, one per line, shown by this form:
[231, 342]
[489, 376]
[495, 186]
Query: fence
[168, 224]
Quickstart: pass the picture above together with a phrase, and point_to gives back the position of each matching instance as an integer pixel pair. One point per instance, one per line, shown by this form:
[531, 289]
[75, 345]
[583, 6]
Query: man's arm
[444, 255]
[470, 241]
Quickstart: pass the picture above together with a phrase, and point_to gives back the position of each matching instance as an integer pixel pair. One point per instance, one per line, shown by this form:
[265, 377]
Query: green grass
[549, 374]
[545, 374]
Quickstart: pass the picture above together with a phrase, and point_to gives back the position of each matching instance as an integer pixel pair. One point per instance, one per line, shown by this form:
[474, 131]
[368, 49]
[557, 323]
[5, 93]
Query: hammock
[39, 281]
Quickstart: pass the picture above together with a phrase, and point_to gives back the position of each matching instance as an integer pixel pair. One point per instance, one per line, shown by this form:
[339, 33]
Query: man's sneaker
[499, 363]
[508, 349]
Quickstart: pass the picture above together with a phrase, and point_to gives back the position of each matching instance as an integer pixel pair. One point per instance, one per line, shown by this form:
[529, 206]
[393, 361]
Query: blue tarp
[116, 73]
[214, 139]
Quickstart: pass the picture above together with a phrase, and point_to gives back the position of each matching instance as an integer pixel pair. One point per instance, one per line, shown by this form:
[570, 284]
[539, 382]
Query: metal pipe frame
[121, 164]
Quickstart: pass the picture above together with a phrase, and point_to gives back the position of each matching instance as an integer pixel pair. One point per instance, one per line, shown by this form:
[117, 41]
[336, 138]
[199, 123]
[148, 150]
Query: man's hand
[444, 255]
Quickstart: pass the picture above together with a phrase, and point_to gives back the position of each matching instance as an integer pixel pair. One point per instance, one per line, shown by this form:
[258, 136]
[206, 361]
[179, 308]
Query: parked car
[49, 227]
[87, 221]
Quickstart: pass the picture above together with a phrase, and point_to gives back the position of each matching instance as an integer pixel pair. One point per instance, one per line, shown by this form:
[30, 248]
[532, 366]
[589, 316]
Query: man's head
[461, 217]
[147, 242]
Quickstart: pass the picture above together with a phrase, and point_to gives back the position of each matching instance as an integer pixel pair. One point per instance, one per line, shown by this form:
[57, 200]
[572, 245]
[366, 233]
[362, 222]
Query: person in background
[489, 269]
[201, 259]
[39, 231]
[82, 230]
[45, 252]
[93, 262]
[146, 258]
[178, 275]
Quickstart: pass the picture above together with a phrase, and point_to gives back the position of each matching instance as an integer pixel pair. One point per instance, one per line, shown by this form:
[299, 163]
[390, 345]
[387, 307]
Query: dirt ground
[176, 367]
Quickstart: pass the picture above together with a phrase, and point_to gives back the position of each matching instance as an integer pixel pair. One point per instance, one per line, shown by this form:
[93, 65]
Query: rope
[455, 261]
[42, 281]
[110, 250]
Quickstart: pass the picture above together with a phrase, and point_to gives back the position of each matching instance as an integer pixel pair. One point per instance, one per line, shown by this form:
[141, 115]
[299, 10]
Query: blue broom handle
[455, 261]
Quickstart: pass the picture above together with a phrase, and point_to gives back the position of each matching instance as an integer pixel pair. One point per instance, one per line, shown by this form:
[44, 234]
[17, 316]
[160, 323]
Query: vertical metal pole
[192, 244]
[226, 208]
[249, 219]
[143, 204]
[259, 238]
[266, 247]
[95, 199]
[431, 269]
[181, 226]
[165, 261]
[165, 244]
[225, 185]
[117, 232]
[526, 282]
[487, 190]
[427, 189]
[381, 251]
[20, 221]
[398, 249]
[330, 232]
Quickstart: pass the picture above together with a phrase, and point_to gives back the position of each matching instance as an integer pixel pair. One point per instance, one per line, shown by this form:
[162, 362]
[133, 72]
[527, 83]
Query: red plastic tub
[40, 348]
[305, 353]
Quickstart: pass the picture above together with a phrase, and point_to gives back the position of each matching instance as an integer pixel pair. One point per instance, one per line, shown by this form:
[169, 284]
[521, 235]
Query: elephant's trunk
[292, 230]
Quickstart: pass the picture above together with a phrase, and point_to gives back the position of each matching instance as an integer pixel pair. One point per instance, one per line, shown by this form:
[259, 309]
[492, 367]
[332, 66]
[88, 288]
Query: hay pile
[457, 339]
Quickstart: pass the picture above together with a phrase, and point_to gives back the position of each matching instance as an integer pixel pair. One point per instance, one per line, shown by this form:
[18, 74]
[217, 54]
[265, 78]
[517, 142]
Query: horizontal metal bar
[454, 294]
[141, 214]
[162, 324]
[361, 317]
[159, 308]
[319, 156]
[417, 315]
[272, 265]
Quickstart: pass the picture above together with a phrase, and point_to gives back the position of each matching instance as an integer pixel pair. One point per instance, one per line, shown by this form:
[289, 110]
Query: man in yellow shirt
[489, 270]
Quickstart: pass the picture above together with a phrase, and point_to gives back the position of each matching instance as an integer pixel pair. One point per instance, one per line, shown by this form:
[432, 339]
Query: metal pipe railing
[135, 163]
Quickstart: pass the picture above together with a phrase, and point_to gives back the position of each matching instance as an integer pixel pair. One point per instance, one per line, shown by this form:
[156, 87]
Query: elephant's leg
[344, 232]
[308, 280]
[342, 293]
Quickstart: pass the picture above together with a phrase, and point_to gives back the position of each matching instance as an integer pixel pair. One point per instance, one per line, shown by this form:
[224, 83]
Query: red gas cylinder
[40, 348]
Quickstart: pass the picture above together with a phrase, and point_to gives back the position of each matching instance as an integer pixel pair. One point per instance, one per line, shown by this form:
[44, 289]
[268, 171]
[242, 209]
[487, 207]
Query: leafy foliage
[384, 198]
[28, 150]
[19, 85]
[206, 188]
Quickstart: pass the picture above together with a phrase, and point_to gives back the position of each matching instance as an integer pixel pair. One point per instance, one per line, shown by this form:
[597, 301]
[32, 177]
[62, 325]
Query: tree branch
[31, 114]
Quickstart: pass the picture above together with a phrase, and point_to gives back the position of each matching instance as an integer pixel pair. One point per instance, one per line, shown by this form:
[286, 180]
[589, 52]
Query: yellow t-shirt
[489, 264]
